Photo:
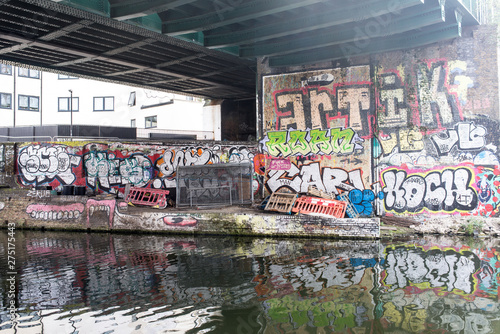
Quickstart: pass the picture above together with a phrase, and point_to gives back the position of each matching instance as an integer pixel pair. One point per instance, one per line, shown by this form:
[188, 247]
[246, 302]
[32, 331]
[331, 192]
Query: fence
[214, 185]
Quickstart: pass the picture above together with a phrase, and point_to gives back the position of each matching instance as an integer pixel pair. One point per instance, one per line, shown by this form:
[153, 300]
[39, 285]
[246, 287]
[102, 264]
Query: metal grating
[214, 185]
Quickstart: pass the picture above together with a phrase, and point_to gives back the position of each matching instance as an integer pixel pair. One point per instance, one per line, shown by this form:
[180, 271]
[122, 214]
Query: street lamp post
[71, 113]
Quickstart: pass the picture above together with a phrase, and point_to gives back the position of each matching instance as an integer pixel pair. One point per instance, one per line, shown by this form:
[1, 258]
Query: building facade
[33, 98]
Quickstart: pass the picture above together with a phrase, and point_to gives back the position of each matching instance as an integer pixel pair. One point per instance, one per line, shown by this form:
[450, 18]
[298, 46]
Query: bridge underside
[210, 48]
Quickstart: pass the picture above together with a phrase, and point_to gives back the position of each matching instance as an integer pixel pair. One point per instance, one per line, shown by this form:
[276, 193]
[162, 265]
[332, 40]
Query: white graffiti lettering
[448, 190]
[137, 170]
[41, 164]
[327, 179]
[466, 136]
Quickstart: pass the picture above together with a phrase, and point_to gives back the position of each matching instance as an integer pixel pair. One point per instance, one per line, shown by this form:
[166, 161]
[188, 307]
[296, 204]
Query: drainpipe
[14, 98]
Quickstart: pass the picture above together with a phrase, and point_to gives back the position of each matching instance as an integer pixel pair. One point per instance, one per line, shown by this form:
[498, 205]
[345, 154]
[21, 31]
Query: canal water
[108, 283]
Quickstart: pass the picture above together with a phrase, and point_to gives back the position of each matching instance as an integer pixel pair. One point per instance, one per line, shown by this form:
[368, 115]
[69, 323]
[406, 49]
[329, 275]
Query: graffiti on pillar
[464, 136]
[437, 105]
[311, 142]
[44, 163]
[105, 170]
[298, 178]
[430, 99]
[320, 100]
[448, 189]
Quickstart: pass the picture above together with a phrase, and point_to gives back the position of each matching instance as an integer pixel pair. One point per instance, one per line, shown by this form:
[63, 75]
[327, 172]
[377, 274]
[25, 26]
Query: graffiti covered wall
[110, 167]
[409, 132]
[436, 149]
[318, 130]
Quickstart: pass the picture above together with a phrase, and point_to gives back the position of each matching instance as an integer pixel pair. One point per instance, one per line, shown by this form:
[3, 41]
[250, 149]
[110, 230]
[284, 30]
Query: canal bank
[40, 209]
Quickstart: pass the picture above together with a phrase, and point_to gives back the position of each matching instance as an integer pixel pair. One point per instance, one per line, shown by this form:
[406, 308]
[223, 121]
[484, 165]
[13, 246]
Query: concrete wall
[403, 133]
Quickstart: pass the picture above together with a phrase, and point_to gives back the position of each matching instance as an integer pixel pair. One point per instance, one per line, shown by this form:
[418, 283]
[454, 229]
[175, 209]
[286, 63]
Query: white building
[33, 98]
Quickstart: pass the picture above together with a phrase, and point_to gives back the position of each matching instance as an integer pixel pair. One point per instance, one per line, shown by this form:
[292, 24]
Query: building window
[64, 104]
[28, 73]
[105, 103]
[151, 122]
[65, 77]
[131, 99]
[5, 69]
[5, 101]
[132, 123]
[28, 102]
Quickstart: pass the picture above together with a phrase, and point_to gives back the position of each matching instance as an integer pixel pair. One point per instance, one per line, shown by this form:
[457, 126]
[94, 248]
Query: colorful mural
[110, 167]
[407, 136]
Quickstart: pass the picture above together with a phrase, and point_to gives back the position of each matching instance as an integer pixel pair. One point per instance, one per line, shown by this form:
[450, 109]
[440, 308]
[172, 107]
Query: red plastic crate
[314, 205]
[146, 196]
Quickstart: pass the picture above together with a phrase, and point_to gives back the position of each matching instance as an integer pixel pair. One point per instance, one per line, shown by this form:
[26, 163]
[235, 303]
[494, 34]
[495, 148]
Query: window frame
[132, 99]
[68, 98]
[151, 119]
[103, 103]
[2, 66]
[29, 103]
[10, 97]
[66, 77]
[133, 123]
[29, 76]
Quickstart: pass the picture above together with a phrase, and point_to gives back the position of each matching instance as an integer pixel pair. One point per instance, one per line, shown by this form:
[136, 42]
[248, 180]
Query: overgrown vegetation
[472, 227]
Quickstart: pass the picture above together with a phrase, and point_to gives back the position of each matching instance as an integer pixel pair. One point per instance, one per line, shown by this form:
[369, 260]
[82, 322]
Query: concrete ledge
[107, 214]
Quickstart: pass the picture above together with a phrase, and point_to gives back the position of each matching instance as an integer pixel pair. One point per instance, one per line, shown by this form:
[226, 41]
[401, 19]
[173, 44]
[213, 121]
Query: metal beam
[132, 10]
[88, 57]
[284, 27]
[226, 14]
[379, 45]
[409, 21]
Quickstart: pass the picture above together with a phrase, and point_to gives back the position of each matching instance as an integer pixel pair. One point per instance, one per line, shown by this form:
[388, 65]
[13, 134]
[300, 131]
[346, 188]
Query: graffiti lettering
[137, 170]
[55, 212]
[466, 136]
[38, 193]
[437, 105]
[356, 101]
[322, 104]
[191, 156]
[394, 111]
[42, 164]
[280, 164]
[311, 142]
[328, 179]
[407, 140]
[448, 190]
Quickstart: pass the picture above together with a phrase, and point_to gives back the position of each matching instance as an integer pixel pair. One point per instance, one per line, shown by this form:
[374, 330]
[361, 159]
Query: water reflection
[104, 283]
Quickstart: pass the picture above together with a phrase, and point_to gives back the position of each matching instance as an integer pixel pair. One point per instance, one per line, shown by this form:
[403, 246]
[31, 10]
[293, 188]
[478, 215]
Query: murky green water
[103, 283]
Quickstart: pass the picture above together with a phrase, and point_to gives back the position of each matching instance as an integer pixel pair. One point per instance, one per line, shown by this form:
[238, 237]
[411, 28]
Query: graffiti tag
[42, 164]
[448, 190]
[311, 142]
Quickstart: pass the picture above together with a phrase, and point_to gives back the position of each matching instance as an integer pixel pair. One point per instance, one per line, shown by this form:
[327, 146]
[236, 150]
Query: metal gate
[214, 185]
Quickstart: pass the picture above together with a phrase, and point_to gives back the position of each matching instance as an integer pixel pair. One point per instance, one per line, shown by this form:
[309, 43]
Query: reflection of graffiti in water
[447, 270]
